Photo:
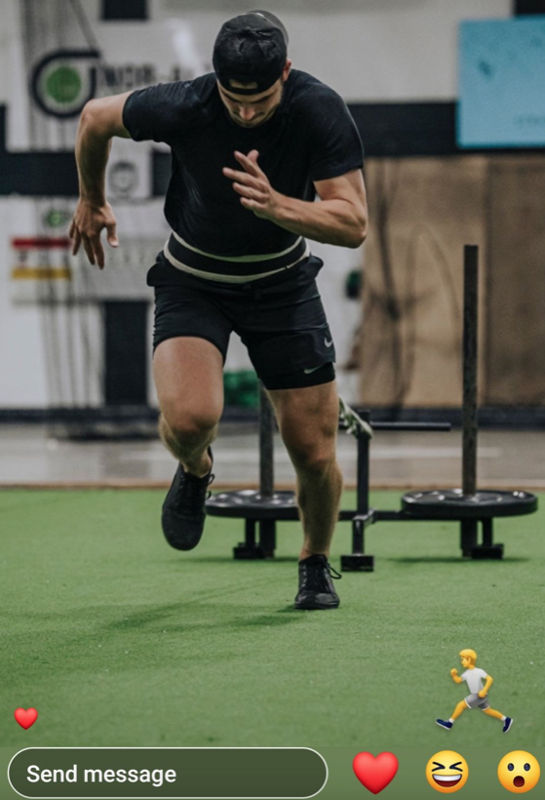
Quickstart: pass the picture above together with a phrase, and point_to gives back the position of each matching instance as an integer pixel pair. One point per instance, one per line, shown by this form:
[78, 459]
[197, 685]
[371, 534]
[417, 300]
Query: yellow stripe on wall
[41, 273]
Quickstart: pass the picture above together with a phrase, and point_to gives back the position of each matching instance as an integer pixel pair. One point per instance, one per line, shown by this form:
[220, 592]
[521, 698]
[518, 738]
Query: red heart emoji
[26, 717]
[375, 773]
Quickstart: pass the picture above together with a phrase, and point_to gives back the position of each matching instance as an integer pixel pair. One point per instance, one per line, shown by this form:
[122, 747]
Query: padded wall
[422, 213]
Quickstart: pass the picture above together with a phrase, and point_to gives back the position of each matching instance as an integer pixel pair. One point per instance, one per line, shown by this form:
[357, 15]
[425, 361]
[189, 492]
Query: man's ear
[286, 70]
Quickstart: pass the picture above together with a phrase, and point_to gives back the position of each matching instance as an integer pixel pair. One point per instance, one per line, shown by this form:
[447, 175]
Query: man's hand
[256, 193]
[482, 694]
[87, 224]
[454, 672]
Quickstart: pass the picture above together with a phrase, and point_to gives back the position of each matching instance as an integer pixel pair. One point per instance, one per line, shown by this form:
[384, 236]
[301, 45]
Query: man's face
[249, 110]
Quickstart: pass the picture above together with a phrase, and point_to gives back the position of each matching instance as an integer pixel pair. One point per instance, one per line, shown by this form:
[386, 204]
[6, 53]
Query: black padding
[124, 9]
[523, 7]
[126, 353]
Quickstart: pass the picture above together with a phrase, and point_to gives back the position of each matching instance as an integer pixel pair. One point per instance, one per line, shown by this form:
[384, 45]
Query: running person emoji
[478, 697]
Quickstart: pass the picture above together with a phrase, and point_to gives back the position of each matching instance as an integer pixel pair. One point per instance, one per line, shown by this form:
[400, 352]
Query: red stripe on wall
[40, 243]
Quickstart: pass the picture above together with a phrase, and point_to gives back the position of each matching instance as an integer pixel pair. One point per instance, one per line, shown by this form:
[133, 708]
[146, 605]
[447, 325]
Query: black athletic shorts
[280, 319]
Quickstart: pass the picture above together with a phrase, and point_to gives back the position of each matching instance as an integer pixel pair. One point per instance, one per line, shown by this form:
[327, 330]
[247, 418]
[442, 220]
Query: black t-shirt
[310, 137]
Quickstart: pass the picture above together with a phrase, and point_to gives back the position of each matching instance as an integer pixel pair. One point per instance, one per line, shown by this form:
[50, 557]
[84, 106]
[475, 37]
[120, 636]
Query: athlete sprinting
[252, 144]
[478, 697]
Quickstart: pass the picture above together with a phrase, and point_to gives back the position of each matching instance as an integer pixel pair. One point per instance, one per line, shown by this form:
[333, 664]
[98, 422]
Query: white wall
[49, 354]
[368, 50]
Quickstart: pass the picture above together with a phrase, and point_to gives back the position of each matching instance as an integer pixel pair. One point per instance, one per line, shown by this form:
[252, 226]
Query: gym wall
[425, 210]
[398, 52]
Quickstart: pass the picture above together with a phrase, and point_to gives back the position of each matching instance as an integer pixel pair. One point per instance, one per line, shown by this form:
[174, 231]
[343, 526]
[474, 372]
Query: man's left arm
[487, 684]
[340, 218]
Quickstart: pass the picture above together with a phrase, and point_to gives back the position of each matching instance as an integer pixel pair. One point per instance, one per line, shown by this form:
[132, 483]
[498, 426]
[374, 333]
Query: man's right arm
[455, 677]
[100, 121]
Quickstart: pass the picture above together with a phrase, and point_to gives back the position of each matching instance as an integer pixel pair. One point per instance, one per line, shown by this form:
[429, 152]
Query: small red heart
[26, 717]
[375, 773]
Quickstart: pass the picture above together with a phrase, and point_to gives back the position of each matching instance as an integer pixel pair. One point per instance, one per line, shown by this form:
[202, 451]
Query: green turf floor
[117, 639]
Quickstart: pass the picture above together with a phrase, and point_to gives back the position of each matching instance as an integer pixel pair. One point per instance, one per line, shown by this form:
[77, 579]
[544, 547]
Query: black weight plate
[452, 504]
[249, 504]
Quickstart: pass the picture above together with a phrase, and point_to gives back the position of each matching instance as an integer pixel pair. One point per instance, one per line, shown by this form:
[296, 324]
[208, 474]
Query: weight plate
[453, 504]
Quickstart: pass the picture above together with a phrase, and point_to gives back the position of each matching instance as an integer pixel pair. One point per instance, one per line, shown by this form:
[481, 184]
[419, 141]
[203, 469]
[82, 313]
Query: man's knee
[315, 456]
[189, 425]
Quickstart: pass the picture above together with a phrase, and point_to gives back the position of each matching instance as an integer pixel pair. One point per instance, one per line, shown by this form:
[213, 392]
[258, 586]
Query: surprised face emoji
[518, 771]
[447, 771]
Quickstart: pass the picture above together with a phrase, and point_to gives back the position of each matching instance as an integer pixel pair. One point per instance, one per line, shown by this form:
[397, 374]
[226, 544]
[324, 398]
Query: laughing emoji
[518, 771]
[447, 771]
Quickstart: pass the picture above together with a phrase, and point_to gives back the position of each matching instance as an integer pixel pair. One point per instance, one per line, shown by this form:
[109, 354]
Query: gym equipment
[468, 505]
[264, 507]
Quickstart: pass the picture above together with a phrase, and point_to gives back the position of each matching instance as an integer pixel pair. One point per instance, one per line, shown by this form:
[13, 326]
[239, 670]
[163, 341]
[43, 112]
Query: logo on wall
[63, 81]
[123, 178]
[55, 218]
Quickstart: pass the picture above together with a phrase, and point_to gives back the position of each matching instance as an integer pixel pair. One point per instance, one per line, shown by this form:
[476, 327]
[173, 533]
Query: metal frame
[265, 507]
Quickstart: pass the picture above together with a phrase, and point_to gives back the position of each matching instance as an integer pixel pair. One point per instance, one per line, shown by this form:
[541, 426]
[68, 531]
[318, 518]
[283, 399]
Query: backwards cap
[251, 48]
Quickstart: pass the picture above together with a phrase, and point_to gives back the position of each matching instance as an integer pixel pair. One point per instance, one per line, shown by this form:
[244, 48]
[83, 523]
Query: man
[478, 697]
[252, 144]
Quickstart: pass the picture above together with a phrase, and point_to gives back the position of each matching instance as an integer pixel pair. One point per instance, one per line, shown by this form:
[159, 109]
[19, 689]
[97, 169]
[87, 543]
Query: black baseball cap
[251, 48]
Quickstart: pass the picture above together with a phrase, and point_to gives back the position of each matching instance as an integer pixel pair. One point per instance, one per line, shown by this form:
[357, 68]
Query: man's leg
[308, 419]
[448, 723]
[188, 375]
[460, 708]
[507, 721]
[493, 713]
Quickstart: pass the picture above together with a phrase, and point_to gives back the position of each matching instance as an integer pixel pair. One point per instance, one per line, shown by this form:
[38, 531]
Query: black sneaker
[507, 724]
[315, 584]
[183, 510]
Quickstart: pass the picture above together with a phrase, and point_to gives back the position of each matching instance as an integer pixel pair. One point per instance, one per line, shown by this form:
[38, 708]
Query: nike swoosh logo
[313, 369]
[328, 344]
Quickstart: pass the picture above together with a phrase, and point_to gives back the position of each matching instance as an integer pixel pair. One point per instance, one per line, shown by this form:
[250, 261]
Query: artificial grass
[118, 640]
